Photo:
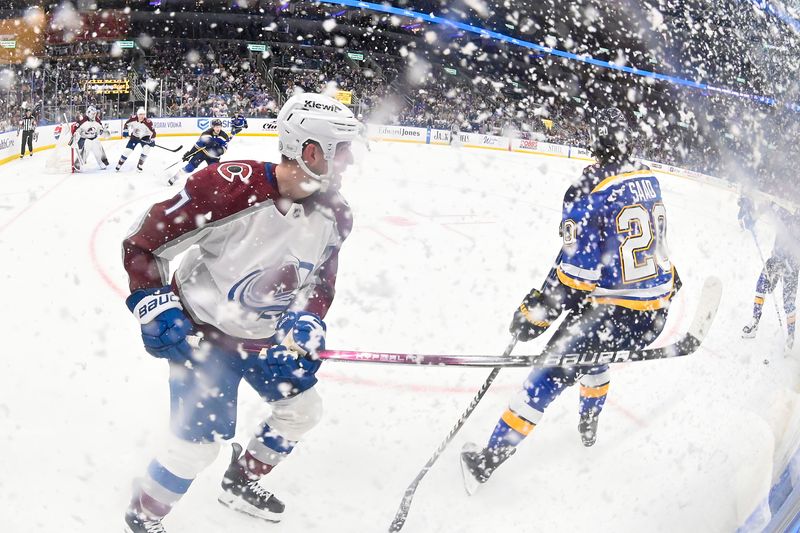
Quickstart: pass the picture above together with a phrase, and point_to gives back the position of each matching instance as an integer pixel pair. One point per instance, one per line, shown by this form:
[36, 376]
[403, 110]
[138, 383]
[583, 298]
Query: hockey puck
[766, 361]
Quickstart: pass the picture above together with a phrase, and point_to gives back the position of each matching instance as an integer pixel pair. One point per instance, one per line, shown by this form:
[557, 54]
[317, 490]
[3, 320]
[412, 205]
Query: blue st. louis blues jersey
[614, 228]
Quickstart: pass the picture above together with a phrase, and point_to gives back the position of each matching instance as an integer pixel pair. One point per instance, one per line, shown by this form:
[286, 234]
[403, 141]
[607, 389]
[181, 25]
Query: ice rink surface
[445, 244]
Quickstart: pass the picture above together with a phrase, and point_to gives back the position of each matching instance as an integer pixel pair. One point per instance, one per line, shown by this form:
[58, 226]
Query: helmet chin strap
[323, 180]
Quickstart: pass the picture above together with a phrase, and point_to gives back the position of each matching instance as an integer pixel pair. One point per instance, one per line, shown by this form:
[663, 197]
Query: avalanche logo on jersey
[268, 292]
[235, 171]
[90, 132]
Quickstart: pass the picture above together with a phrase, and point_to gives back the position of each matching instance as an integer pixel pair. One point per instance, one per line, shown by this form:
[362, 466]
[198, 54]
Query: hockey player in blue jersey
[613, 279]
[782, 266]
[208, 149]
[238, 124]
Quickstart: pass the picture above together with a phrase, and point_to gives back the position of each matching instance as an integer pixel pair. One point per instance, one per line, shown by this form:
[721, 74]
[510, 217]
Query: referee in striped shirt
[27, 126]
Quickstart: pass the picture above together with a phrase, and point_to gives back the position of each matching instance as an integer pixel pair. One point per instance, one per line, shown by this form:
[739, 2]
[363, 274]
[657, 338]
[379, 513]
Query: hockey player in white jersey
[86, 135]
[260, 245]
[140, 130]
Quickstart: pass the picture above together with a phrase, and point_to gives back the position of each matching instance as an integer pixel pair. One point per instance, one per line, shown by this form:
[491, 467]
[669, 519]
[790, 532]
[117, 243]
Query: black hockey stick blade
[168, 149]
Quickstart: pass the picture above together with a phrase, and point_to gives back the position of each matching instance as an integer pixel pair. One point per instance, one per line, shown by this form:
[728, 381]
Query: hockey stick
[405, 504]
[709, 303]
[79, 156]
[764, 264]
[168, 149]
[686, 345]
[181, 160]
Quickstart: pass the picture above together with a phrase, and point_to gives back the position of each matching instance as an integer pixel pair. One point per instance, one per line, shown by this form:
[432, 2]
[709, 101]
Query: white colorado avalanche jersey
[249, 253]
[89, 128]
[139, 129]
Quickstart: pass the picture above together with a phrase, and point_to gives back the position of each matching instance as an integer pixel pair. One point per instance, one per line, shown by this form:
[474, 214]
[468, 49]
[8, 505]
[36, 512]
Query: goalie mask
[91, 112]
[314, 117]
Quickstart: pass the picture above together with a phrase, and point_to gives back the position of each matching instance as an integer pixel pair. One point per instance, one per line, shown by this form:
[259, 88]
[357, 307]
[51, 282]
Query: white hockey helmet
[141, 112]
[91, 111]
[314, 117]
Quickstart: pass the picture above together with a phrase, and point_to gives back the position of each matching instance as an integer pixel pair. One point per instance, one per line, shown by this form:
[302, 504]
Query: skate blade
[232, 502]
[471, 484]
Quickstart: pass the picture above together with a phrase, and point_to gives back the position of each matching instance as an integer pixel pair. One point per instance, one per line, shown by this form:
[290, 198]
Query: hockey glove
[126, 133]
[164, 324]
[283, 364]
[302, 333]
[188, 155]
[533, 316]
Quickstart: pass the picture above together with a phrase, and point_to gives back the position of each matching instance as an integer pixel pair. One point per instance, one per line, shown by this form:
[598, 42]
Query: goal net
[61, 160]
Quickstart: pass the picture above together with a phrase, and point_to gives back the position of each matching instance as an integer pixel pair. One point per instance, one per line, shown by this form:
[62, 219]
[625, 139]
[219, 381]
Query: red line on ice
[122, 293]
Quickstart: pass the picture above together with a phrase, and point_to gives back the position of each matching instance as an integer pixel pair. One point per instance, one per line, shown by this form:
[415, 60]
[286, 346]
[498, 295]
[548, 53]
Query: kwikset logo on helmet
[316, 105]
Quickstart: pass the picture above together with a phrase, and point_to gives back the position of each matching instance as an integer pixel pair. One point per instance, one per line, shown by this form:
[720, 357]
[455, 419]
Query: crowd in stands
[210, 81]
[197, 78]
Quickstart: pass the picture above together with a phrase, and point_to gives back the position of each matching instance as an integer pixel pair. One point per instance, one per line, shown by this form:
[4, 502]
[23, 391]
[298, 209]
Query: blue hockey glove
[746, 213]
[148, 141]
[533, 316]
[125, 133]
[284, 364]
[164, 324]
[301, 332]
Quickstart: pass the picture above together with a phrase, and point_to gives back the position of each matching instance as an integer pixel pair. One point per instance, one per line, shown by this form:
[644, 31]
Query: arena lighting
[554, 51]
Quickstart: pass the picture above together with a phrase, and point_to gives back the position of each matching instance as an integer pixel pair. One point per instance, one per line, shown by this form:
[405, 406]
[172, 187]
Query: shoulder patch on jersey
[235, 170]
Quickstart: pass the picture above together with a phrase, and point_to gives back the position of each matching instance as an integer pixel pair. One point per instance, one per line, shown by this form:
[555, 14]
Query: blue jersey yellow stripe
[614, 230]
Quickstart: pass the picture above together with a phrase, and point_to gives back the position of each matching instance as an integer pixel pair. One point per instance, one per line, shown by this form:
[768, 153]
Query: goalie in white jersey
[86, 134]
[261, 243]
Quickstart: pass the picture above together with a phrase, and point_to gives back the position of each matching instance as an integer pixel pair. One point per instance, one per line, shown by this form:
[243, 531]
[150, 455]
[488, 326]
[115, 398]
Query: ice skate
[242, 494]
[587, 427]
[477, 465]
[750, 330]
[136, 523]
